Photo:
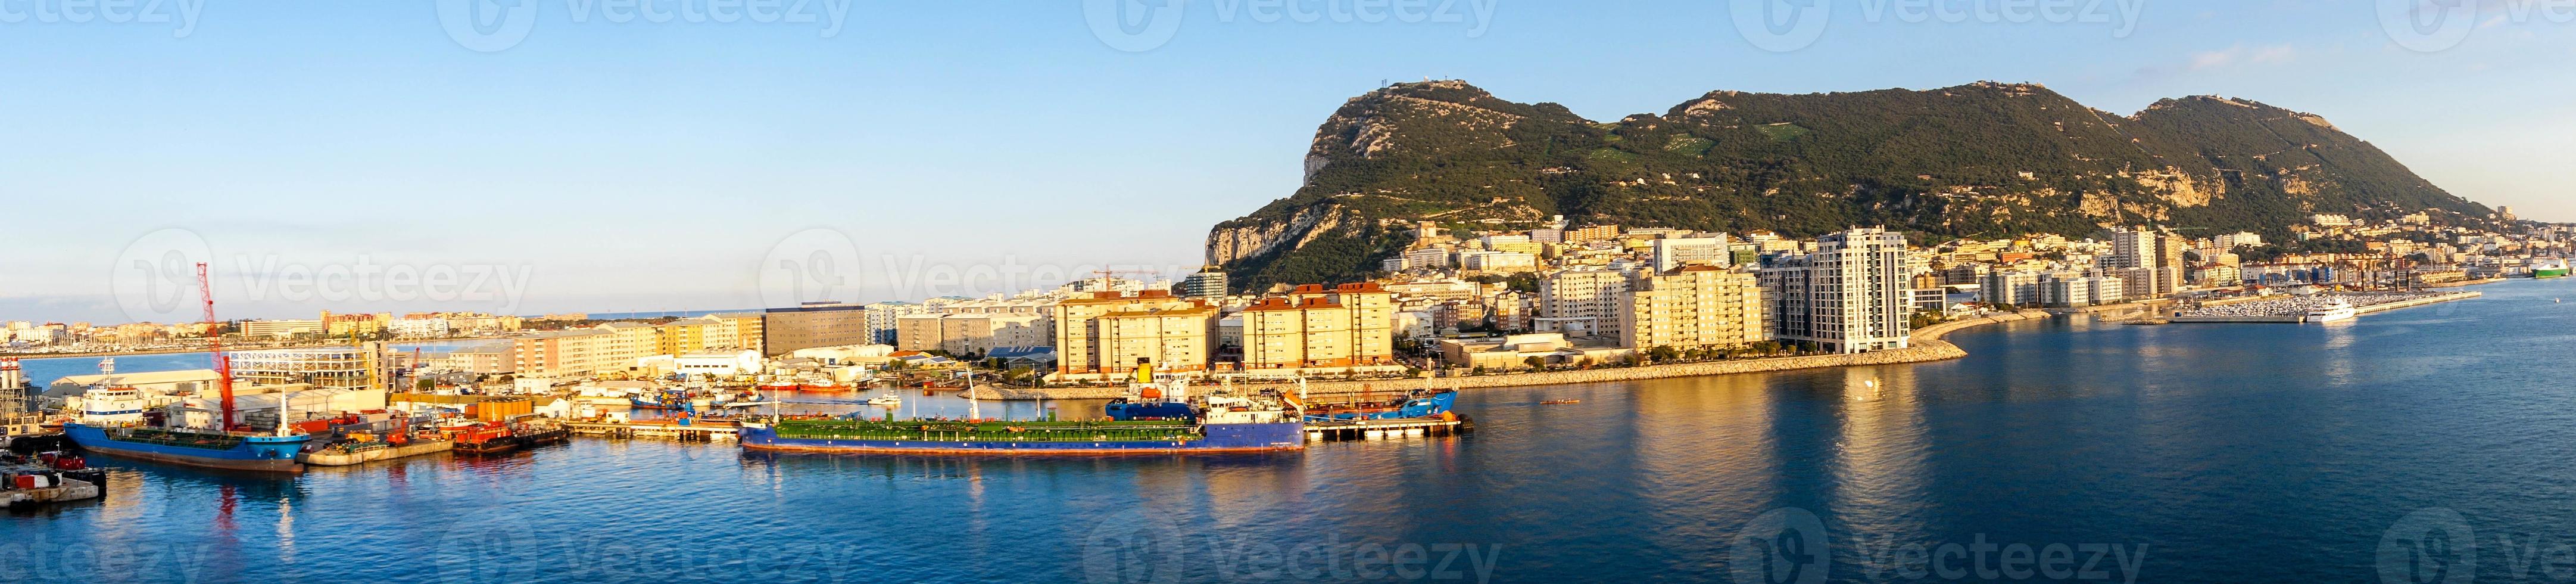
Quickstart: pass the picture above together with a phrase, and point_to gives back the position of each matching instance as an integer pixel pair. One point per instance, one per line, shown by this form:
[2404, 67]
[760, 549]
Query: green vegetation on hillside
[1984, 159]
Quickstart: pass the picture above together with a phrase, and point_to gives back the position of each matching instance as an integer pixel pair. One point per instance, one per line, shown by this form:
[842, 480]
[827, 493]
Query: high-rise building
[1208, 282]
[970, 333]
[881, 319]
[1851, 296]
[1107, 332]
[2009, 288]
[1694, 307]
[2157, 253]
[1348, 325]
[1581, 302]
[813, 324]
[1675, 252]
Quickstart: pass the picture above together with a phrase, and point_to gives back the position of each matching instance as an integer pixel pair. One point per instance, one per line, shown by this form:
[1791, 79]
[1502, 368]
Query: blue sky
[612, 166]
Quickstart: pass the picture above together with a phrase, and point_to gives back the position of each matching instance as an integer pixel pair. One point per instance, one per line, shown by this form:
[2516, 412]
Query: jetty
[1318, 430]
[2295, 309]
[698, 431]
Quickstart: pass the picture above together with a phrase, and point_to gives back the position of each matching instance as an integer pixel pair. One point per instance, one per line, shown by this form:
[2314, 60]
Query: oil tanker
[1186, 424]
[113, 423]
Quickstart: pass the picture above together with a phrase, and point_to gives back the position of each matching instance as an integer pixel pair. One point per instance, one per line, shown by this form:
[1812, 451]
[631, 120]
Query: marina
[2323, 307]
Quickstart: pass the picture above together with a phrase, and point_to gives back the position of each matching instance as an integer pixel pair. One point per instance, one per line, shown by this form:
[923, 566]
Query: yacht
[2334, 311]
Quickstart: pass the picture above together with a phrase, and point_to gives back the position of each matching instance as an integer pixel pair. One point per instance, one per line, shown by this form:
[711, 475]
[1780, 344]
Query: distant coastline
[228, 348]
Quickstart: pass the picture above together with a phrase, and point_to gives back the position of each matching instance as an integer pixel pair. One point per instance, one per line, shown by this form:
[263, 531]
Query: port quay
[2296, 309]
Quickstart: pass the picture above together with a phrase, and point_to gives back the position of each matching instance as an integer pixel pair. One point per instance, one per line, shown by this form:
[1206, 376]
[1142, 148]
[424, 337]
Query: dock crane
[215, 347]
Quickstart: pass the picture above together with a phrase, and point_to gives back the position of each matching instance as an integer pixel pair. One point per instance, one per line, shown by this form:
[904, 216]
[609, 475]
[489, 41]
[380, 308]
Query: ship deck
[950, 431]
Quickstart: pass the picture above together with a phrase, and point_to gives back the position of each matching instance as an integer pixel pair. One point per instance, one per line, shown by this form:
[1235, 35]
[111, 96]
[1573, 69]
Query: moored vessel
[1199, 424]
[2549, 268]
[114, 422]
[2337, 310]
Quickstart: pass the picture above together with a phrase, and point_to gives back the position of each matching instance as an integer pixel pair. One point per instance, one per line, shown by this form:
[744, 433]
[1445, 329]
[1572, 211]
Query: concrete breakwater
[1926, 346]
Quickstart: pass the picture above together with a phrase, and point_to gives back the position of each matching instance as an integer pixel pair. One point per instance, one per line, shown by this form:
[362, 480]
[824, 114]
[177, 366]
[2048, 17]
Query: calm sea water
[2197, 453]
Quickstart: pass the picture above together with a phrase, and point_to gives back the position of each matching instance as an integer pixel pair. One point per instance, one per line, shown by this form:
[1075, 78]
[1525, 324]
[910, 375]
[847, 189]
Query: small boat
[2331, 312]
[1559, 402]
[885, 400]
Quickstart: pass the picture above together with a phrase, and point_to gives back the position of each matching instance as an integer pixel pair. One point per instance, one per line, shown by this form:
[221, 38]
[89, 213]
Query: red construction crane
[215, 347]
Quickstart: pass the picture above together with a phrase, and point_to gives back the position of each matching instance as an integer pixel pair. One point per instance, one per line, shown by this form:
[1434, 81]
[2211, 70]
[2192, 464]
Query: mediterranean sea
[2433, 440]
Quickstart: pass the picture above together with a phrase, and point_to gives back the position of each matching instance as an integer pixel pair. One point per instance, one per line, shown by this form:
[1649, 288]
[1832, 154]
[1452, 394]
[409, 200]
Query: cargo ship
[113, 423]
[1182, 423]
[2549, 268]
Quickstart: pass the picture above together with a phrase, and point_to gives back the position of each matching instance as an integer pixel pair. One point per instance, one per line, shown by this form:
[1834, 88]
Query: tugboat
[488, 438]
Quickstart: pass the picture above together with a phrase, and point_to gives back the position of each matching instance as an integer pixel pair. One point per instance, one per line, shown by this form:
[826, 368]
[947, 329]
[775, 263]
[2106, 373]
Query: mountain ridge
[1983, 158]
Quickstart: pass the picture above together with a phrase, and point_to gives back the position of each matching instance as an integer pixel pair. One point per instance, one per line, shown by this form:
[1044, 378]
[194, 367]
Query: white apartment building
[1851, 296]
[1582, 302]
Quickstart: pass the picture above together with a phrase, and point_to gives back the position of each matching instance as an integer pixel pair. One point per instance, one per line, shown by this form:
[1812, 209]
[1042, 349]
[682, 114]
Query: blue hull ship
[209, 450]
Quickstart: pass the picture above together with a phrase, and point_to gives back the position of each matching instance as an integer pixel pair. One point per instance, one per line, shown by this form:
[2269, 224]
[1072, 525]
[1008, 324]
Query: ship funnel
[1144, 370]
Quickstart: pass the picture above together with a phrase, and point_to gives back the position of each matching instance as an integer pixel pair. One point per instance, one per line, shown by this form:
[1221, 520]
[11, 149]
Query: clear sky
[605, 161]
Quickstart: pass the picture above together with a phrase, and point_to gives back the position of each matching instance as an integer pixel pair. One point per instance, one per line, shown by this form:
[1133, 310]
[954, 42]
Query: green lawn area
[1783, 131]
[1690, 145]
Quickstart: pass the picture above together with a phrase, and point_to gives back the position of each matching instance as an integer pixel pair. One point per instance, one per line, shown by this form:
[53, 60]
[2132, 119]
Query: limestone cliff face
[1228, 245]
[1978, 159]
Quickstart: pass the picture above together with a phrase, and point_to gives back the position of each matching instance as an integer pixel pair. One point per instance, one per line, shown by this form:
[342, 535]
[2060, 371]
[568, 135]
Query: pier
[1342, 431]
[698, 432]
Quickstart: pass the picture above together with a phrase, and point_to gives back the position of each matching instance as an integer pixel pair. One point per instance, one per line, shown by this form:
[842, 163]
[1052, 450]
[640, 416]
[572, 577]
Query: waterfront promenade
[1926, 346]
